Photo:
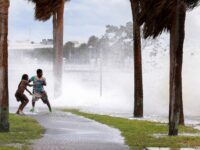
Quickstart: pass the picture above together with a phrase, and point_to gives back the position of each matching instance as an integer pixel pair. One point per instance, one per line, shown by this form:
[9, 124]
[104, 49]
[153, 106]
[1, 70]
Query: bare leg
[21, 106]
[33, 104]
[49, 106]
[18, 97]
[24, 103]
[19, 109]
[46, 101]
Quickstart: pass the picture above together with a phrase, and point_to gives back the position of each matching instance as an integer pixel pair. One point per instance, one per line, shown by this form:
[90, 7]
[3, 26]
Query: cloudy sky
[83, 18]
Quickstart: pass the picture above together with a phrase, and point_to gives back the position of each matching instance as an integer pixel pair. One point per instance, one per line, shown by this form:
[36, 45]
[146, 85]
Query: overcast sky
[83, 18]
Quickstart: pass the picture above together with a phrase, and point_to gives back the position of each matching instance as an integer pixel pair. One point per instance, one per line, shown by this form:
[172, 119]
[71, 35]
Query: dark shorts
[43, 96]
[21, 97]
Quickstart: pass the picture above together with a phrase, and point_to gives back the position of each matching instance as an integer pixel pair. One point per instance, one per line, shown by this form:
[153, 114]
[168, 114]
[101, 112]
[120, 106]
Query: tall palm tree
[44, 10]
[58, 18]
[4, 102]
[177, 35]
[158, 16]
[138, 85]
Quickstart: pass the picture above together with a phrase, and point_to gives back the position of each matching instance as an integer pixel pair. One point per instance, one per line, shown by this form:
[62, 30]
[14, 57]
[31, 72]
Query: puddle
[157, 148]
[180, 134]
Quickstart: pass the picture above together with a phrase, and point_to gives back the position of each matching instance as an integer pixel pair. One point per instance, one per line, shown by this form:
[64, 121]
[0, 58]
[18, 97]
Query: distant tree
[4, 100]
[42, 54]
[83, 46]
[119, 42]
[69, 44]
[128, 44]
[68, 50]
[83, 53]
[93, 47]
[129, 30]
[92, 41]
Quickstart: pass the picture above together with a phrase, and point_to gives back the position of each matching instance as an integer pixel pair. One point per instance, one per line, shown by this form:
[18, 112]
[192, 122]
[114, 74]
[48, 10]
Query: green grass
[8, 148]
[22, 130]
[13, 148]
[139, 133]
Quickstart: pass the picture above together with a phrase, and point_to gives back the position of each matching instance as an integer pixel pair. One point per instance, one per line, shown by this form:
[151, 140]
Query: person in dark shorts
[38, 90]
[20, 96]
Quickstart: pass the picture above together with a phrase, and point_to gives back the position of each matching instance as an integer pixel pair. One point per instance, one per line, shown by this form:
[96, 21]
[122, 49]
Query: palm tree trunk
[181, 118]
[54, 48]
[177, 35]
[58, 69]
[138, 85]
[4, 106]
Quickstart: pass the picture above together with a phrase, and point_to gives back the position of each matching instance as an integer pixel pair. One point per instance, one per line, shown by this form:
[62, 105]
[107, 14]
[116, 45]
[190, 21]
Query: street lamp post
[101, 72]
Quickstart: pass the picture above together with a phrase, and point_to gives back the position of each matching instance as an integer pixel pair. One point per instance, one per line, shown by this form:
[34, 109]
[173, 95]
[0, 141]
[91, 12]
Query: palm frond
[192, 3]
[158, 15]
[44, 9]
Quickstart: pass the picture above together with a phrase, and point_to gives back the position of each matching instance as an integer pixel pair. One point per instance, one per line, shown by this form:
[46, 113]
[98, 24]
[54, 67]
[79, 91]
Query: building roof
[26, 45]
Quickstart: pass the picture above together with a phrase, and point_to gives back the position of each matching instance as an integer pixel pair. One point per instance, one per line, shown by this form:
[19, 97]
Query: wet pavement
[66, 131]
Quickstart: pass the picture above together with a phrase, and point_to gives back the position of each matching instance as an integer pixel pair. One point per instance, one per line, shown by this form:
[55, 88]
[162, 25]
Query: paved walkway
[65, 131]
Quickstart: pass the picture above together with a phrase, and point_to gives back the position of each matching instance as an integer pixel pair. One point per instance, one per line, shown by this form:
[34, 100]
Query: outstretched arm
[31, 80]
[45, 83]
[27, 83]
[30, 85]
[28, 91]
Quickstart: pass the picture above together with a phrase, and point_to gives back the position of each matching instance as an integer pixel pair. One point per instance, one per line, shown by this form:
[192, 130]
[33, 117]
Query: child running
[38, 90]
[20, 96]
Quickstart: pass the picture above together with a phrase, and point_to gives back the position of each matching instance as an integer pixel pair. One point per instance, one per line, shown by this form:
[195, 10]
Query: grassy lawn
[140, 133]
[22, 130]
[8, 148]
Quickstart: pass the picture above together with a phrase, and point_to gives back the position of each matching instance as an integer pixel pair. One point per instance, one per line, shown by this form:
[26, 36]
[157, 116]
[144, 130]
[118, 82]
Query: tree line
[115, 46]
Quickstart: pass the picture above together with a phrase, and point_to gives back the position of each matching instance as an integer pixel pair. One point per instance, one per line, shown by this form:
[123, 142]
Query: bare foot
[17, 112]
[21, 112]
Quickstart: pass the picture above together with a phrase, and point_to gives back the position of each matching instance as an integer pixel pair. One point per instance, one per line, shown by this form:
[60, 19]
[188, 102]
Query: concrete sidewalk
[65, 131]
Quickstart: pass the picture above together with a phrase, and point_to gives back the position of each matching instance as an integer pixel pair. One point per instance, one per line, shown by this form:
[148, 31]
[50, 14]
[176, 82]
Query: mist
[81, 81]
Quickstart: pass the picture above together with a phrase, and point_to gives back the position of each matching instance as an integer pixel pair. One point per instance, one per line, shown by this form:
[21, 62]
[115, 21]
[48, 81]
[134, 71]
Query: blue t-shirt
[38, 84]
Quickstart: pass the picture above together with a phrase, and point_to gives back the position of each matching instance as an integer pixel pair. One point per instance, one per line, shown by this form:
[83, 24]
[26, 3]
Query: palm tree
[4, 102]
[177, 35]
[58, 17]
[138, 85]
[158, 16]
[43, 12]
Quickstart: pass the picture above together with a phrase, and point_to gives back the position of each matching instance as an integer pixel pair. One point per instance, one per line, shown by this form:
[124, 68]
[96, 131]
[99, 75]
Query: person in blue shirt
[38, 90]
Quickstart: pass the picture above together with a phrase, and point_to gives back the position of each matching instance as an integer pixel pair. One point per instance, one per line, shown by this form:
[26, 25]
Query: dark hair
[39, 71]
[24, 77]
